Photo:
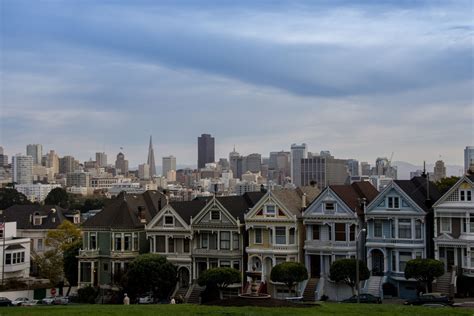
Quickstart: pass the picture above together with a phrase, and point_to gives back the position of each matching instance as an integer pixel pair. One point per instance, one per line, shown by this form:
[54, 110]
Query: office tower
[253, 163]
[22, 169]
[121, 165]
[52, 161]
[144, 171]
[205, 150]
[469, 158]
[383, 167]
[101, 159]
[35, 151]
[78, 179]
[223, 163]
[324, 171]
[3, 158]
[233, 157]
[169, 163]
[298, 152]
[439, 171]
[151, 160]
[353, 166]
[68, 164]
[365, 168]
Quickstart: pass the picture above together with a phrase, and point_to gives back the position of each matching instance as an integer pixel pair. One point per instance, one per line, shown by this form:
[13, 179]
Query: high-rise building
[353, 166]
[22, 169]
[234, 158]
[298, 152]
[68, 164]
[169, 163]
[35, 151]
[253, 163]
[52, 161]
[324, 171]
[144, 171]
[439, 171]
[151, 159]
[78, 179]
[384, 168]
[101, 159]
[3, 158]
[469, 158]
[121, 165]
[205, 150]
[365, 168]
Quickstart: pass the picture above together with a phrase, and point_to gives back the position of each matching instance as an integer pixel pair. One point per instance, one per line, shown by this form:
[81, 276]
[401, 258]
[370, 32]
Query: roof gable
[452, 194]
[204, 217]
[318, 207]
[406, 204]
[158, 222]
[269, 199]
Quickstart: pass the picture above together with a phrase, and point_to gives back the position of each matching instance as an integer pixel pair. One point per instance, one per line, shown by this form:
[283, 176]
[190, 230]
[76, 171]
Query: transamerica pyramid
[151, 159]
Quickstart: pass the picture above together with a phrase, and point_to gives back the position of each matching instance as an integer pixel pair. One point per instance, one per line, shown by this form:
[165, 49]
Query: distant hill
[404, 168]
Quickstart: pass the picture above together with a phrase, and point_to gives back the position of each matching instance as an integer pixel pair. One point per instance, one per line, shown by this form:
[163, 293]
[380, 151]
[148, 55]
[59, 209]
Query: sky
[362, 79]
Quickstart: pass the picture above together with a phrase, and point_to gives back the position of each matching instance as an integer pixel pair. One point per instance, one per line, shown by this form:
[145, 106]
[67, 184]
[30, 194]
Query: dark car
[431, 299]
[364, 298]
[5, 302]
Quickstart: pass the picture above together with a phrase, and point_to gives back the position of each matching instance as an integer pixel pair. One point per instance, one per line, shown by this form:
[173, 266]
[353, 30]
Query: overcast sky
[358, 79]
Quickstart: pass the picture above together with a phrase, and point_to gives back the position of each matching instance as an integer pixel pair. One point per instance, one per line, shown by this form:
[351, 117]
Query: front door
[201, 267]
[315, 266]
[377, 262]
[449, 258]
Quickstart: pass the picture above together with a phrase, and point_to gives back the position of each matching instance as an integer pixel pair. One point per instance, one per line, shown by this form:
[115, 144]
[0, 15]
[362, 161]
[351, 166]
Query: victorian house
[115, 236]
[276, 232]
[333, 222]
[454, 231]
[399, 228]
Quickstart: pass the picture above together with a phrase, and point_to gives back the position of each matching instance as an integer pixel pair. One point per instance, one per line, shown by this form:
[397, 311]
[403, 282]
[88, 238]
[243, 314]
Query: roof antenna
[424, 169]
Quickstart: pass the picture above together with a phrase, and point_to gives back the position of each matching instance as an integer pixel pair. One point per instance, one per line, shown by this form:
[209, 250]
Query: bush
[216, 280]
[344, 270]
[289, 273]
[424, 270]
[87, 295]
[324, 297]
[389, 290]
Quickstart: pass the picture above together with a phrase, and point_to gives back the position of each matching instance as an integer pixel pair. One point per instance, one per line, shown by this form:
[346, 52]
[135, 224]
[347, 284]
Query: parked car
[5, 302]
[145, 299]
[48, 300]
[364, 298]
[21, 301]
[431, 299]
[61, 300]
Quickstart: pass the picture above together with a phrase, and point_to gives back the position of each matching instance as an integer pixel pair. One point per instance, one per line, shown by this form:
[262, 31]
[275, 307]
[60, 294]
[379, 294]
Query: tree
[57, 196]
[220, 278]
[50, 265]
[150, 273]
[71, 263]
[445, 184]
[62, 238]
[289, 273]
[424, 270]
[344, 270]
[10, 197]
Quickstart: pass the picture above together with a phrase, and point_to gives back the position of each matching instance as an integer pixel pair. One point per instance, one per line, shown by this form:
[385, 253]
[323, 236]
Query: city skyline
[360, 80]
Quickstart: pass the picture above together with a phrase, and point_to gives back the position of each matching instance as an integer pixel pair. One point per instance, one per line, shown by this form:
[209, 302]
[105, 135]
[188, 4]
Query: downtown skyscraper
[151, 160]
[205, 150]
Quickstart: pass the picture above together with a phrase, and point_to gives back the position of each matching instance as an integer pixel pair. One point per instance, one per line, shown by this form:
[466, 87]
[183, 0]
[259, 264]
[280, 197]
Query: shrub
[289, 273]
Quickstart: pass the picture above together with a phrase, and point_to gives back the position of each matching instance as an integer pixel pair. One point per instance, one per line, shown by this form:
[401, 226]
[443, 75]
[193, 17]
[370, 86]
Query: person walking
[126, 299]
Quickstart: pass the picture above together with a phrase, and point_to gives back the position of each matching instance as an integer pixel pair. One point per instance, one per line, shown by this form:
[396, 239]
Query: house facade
[16, 253]
[454, 227]
[398, 230]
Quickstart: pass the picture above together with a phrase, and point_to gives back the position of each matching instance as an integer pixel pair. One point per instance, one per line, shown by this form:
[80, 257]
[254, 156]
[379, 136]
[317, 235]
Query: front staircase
[194, 296]
[443, 284]
[374, 284]
[181, 292]
[310, 289]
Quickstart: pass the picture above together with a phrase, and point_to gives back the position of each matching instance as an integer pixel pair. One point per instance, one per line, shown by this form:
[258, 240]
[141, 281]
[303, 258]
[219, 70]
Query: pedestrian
[126, 299]
[173, 301]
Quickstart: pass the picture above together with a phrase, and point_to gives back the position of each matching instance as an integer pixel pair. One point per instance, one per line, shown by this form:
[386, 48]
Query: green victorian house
[115, 236]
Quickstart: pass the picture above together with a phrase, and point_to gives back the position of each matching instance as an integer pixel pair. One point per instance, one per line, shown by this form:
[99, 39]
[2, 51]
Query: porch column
[456, 256]
[321, 264]
[79, 273]
[385, 262]
[92, 273]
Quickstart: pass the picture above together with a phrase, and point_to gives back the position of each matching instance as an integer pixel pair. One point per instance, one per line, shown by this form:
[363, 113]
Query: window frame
[331, 210]
[215, 212]
[224, 244]
[449, 222]
[167, 217]
[376, 221]
[405, 225]
[258, 229]
[281, 229]
[339, 233]
[391, 202]
[272, 213]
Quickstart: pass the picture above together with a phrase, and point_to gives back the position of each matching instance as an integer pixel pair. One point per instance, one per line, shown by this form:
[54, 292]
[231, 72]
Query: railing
[201, 251]
[89, 252]
[123, 254]
[395, 241]
[330, 243]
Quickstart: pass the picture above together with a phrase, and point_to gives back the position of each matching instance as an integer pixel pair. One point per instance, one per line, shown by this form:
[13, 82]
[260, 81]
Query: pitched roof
[290, 198]
[237, 205]
[52, 216]
[416, 189]
[188, 209]
[311, 192]
[351, 194]
[123, 211]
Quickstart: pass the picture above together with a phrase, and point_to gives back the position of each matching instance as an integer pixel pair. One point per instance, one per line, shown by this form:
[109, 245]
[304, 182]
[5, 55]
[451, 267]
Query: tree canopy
[424, 270]
[150, 273]
[57, 196]
[445, 184]
[289, 273]
[344, 270]
[10, 197]
[221, 277]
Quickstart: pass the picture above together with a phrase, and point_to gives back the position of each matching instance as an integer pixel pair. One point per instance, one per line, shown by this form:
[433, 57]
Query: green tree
[344, 270]
[220, 278]
[424, 271]
[150, 273]
[57, 196]
[445, 184]
[10, 197]
[71, 263]
[50, 265]
[289, 273]
[62, 238]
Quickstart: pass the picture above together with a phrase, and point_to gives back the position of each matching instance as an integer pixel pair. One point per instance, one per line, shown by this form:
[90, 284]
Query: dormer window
[215, 215]
[76, 219]
[169, 220]
[37, 219]
[394, 202]
[270, 210]
[465, 195]
[330, 206]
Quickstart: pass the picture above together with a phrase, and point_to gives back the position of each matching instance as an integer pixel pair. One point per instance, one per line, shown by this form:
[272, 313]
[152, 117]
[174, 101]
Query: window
[352, 232]
[186, 245]
[40, 244]
[393, 202]
[205, 240]
[1, 233]
[280, 235]
[418, 255]
[8, 258]
[465, 195]
[106, 267]
[340, 229]
[225, 241]
[280, 260]
[471, 224]
[418, 229]
[378, 228]
[213, 241]
[127, 242]
[236, 265]
[292, 236]
[92, 241]
[330, 206]
[472, 257]
[270, 210]
[22, 256]
[135, 241]
[225, 264]
[404, 228]
[160, 244]
[270, 234]
[445, 224]
[169, 220]
[118, 242]
[258, 235]
[215, 215]
[36, 219]
[236, 241]
[76, 219]
[170, 245]
[329, 232]
[404, 257]
[315, 232]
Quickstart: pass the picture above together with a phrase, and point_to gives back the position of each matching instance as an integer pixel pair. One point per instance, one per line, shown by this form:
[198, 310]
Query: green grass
[197, 310]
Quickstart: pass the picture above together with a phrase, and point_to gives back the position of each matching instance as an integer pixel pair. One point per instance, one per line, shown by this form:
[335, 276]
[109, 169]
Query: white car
[48, 300]
[145, 300]
[24, 301]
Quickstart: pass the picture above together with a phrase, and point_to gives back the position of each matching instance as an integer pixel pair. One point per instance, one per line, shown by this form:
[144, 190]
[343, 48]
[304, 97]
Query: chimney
[313, 183]
[303, 201]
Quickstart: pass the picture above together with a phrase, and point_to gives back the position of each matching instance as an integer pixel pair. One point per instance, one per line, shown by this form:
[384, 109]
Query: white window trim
[164, 220]
[399, 202]
[210, 215]
[330, 202]
[266, 213]
[441, 225]
[255, 236]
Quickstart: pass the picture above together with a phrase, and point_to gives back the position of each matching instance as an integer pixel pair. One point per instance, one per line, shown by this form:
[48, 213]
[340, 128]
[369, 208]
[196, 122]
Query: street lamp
[357, 263]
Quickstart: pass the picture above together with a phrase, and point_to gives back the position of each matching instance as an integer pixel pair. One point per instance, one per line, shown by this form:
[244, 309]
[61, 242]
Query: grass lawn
[182, 310]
